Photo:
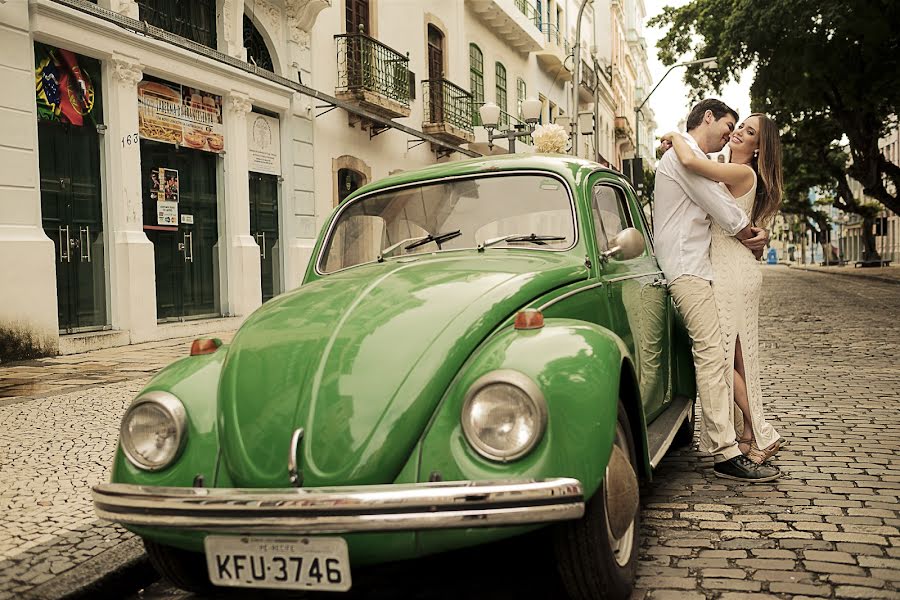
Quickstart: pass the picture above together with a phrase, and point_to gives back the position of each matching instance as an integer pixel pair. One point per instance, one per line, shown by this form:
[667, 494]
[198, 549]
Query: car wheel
[593, 561]
[685, 434]
[183, 569]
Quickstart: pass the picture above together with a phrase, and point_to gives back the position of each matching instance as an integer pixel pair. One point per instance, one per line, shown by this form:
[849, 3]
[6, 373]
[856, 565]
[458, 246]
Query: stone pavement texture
[59, 420]
[827, 529]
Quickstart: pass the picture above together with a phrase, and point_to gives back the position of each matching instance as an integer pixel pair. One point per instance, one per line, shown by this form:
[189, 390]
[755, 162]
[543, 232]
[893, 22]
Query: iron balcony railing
[446, 102]
[553, 34]
[364, 63]
[530, 12]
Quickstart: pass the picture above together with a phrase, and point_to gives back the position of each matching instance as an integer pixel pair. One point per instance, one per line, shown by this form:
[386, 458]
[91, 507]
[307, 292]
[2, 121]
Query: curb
[114, 573]
[869, 277]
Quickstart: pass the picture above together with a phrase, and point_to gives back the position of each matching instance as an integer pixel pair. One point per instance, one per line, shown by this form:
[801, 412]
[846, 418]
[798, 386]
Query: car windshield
[480, 209]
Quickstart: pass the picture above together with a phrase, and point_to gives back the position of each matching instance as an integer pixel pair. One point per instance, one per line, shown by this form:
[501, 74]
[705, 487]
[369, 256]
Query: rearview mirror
[627, 244]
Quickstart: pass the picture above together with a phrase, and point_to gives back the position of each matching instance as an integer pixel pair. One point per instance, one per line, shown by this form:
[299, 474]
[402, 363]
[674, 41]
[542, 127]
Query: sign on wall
[164, 190]
[263, 144]
[176, 114]
[63, 89]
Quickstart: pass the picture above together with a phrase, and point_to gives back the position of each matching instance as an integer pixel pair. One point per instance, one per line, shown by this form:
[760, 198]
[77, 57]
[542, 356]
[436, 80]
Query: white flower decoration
[551, 139]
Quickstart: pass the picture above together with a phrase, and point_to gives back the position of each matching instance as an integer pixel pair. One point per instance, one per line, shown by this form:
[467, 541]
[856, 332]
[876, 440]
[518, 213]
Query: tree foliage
[826, 71]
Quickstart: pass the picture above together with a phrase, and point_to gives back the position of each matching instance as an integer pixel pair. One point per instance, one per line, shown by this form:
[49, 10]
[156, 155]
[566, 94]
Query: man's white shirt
[684, 203]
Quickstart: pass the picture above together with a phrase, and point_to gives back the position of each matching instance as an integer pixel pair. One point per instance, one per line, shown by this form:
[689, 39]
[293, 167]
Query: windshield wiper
[419, 241]
[437, 239]
[534, 238]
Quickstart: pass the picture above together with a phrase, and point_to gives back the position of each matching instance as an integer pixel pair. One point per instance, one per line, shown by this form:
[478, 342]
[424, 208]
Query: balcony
[371, 75]
[448, 111]
[552, 57]
[513, 20]
[624, 130]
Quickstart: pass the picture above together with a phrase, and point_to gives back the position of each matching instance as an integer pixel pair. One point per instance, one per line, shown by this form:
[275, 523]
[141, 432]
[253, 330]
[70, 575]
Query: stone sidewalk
[881, 274]
[59, 421]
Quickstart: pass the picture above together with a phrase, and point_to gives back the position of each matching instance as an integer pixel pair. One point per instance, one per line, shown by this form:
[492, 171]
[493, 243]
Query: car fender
[194, 380]
[577, 366]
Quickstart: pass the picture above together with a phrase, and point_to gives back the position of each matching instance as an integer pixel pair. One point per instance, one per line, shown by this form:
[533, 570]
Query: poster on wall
[63, 89]
[263, 144]
[175, 114]
[164, 190]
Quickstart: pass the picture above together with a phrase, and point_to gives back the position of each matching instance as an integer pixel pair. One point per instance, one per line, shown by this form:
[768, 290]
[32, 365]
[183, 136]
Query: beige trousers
[694, 299]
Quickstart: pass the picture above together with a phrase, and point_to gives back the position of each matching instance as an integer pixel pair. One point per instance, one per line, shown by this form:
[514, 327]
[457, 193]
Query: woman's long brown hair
[769, 177]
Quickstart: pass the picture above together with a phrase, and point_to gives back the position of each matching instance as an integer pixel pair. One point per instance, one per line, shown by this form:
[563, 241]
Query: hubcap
[618, 500]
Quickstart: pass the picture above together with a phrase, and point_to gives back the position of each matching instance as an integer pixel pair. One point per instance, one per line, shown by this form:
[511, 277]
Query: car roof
[571, 168]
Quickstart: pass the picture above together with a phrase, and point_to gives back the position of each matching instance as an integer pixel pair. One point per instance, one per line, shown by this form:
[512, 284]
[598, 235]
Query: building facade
[156, 180]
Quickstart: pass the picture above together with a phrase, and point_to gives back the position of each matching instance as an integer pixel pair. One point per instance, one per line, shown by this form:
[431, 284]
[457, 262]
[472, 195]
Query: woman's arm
[728, 173]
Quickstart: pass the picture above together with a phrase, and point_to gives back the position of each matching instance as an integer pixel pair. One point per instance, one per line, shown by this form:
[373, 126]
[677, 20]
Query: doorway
[264, 228]
[184, 231]
[72, 218]
[436, 73]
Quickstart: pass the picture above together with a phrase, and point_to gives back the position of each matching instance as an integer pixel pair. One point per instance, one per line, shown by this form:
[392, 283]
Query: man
[684, 205]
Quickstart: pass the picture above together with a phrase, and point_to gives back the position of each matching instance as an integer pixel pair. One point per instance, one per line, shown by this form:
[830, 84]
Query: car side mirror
[627, 244]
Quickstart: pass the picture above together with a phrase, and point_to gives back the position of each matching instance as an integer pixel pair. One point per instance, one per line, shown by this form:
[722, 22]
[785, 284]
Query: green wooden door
[184, 251]
[264, 227]
[72, 218]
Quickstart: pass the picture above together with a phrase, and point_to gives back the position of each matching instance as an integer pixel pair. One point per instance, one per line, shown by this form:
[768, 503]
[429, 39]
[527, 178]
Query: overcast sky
[670, 100]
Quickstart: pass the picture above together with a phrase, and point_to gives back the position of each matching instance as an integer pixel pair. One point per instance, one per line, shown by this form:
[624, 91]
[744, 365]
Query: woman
[754, 179]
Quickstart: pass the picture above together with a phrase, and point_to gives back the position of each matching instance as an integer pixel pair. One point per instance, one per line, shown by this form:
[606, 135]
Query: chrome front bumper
[453, 504]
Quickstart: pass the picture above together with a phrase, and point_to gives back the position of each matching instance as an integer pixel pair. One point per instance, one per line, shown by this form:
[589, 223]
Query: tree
[817, 61]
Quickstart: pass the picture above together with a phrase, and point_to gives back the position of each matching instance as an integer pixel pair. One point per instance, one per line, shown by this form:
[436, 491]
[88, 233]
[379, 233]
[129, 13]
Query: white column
[28, 311]
[230, 28]
[238, 251]
[131, 259]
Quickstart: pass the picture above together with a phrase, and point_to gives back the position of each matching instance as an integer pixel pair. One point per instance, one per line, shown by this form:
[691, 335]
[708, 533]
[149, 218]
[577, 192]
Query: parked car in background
[479, 349]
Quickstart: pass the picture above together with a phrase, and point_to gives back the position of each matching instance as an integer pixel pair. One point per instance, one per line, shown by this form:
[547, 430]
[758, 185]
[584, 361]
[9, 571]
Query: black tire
[685, 434]
[586, 560]
[183, 569]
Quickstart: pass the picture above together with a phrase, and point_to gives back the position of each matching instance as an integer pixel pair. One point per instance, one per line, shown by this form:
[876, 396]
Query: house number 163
[131, 138]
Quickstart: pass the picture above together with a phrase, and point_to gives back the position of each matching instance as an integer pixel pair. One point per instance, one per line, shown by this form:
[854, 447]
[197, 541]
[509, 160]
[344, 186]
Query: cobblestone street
[830, 528]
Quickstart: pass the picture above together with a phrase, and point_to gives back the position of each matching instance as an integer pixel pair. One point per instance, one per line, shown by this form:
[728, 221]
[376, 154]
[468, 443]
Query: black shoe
[743, 469]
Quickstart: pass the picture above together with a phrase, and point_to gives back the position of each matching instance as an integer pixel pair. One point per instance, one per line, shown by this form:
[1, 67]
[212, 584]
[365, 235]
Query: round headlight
[504, 415]
[153, 430]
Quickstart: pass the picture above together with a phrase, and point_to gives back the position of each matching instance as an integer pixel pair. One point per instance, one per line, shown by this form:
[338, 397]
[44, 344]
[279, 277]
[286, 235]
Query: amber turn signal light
[205, 346]
[530, 318]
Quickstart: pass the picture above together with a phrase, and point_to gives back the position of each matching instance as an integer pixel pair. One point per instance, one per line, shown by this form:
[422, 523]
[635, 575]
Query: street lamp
[709, 62]
[490, 118]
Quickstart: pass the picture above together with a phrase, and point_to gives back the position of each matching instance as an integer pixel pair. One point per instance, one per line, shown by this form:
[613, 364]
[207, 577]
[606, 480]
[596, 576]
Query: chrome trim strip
[293, 472]
[562, 297]
[665, 447]
[438, 505]
[627, 277]
[474, 175]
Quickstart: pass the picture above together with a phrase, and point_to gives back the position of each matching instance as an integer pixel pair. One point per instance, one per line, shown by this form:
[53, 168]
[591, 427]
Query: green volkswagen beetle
[479, 349]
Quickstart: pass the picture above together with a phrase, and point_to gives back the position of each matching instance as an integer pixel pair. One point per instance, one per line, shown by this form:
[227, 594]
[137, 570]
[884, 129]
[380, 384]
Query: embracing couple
[710, 223]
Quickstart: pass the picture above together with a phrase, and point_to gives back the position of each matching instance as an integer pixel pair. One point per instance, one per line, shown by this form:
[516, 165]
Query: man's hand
[665, 142]
[757, 241]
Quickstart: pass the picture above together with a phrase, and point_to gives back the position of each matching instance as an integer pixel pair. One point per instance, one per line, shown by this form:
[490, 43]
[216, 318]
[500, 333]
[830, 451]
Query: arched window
[257, 51]
[500, 72]
[476, 81]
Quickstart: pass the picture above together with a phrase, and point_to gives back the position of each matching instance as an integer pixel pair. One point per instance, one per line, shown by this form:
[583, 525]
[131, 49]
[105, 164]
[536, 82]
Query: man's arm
[716, 201]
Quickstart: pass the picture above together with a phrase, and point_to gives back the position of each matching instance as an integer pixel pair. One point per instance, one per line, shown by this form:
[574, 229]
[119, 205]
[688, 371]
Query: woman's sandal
[753, 452]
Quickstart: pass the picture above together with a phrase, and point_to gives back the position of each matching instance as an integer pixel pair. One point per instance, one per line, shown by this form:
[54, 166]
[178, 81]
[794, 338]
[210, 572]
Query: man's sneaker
[743, 469]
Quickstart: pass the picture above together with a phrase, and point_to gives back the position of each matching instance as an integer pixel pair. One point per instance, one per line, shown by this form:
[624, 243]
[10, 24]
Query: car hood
[361, 358]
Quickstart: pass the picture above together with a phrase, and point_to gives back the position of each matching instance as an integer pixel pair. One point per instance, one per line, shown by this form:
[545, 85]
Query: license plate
[313, 563]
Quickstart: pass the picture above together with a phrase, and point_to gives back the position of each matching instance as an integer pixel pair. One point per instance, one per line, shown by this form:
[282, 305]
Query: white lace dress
[737, 283]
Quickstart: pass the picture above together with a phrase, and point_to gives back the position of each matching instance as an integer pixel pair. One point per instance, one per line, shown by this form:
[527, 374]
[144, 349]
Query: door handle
[188, 247]
[65, 254]
[660, 283]
[263, 246]
[86, 244]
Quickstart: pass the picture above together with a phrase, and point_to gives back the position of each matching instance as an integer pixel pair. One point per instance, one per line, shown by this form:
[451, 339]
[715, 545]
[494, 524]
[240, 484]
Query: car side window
[609, 213]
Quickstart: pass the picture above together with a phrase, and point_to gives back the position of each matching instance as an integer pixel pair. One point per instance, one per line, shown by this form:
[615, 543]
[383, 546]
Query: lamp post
[708, 63]
[490, 117]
